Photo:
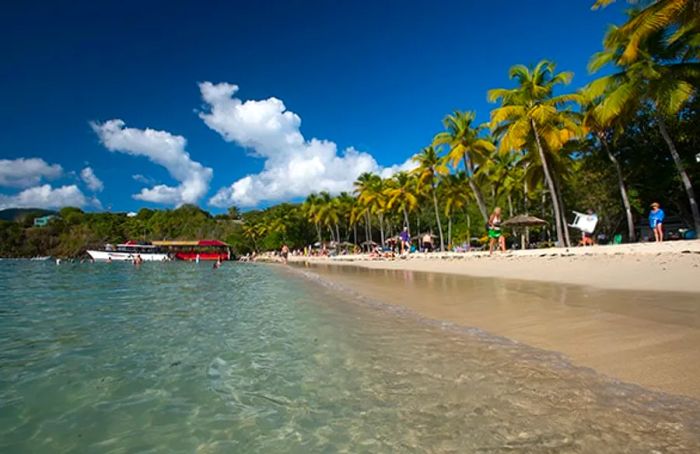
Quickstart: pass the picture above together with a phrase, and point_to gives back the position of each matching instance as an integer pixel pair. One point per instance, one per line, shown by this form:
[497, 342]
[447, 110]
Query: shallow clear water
[181, 358]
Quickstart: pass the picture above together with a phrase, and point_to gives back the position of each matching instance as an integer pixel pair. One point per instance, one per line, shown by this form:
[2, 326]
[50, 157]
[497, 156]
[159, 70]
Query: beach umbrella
[523, 220]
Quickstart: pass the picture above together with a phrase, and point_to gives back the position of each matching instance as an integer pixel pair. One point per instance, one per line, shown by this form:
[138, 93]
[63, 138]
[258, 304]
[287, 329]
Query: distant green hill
[15, 214]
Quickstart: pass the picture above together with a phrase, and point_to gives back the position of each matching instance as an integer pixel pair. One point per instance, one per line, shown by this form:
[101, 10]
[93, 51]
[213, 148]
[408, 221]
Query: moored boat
[128, 251]
[196, 250]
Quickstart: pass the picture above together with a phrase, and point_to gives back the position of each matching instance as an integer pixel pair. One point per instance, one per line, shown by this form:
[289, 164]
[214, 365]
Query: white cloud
[91, 180]
[26, 172]
[164, 149]
[143, 179]
[47, 197]
[294, 166]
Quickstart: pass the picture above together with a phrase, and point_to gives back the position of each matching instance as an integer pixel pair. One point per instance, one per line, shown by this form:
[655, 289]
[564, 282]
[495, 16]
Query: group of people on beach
[496, 238]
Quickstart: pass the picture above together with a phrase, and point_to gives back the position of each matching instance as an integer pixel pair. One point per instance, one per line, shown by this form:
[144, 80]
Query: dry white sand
[668, 266]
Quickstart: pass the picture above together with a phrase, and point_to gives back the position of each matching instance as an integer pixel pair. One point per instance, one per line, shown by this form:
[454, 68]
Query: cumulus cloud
[45, 196]
[294, 166]
[162, 148]
[90, 179]
[26, 172]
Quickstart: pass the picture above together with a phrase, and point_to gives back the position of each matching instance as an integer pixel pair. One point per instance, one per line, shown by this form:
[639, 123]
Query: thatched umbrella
[523, 220]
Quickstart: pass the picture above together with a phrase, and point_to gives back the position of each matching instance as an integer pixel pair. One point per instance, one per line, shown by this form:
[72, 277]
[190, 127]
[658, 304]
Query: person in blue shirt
[656, 221]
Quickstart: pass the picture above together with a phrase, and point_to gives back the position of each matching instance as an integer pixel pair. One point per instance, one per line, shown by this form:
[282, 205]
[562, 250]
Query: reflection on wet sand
[648, 338]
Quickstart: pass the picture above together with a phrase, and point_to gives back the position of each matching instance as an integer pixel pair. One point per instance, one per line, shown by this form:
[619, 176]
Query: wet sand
[642, 337]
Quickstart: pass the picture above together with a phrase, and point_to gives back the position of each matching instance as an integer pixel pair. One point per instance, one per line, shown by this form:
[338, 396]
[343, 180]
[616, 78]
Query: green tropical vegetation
[630, 137]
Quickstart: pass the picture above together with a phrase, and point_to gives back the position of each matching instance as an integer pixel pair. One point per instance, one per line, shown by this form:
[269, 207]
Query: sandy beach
[668, 266]
[631, 312]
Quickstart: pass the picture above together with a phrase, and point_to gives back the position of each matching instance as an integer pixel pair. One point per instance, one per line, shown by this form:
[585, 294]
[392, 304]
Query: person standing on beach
[285, 253]
[405, 240]
[495, 234]
[656, 221]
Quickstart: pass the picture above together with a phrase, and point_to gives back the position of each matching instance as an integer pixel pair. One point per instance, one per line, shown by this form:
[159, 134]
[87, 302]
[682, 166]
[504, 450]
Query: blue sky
[376, 76]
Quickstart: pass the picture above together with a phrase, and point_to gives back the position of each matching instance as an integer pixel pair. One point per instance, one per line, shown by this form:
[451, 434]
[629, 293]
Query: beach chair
[585, 222]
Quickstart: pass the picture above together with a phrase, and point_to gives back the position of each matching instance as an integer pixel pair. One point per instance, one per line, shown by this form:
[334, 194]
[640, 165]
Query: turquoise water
[178, 357]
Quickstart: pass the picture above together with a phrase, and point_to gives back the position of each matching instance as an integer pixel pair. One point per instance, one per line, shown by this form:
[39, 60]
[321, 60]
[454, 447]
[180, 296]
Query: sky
[123, 105]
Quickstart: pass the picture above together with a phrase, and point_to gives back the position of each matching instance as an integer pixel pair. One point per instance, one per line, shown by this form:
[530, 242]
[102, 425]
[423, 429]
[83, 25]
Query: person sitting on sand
[428, 242]
[656, 221]
[495, 233]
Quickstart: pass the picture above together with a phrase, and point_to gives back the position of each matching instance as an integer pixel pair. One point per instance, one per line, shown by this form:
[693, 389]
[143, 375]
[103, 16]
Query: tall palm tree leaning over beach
[430, 168]
[531, 117]
[602, 130]
[465, 144]
[664, 75]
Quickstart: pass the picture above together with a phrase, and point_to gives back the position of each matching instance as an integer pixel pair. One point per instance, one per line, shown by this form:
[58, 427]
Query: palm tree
[531, 117]
[371, 194]
[662, 76]
[345, 204]
[312, 210]
[454, 198]
[680, 17]
[328, 214]
[602, 129]
[430, 168]
[402, 192]
[466, 144]
[363, 186]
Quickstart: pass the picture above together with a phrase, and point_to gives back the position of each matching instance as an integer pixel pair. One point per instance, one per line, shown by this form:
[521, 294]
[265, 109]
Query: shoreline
[643, 338]
[669, 266]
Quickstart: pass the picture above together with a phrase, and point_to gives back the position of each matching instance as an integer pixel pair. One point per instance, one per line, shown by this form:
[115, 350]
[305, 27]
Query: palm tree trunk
[510, 204]
[525, 238]
[369, 226]
[437, 216]
[318, 230]
[682, 172]
[469, 229]
[550, 184]
[623, 188]
[381, 228]
[354, 233]
[449, 231]
[475, 189]
[405, 219]
[560, 200]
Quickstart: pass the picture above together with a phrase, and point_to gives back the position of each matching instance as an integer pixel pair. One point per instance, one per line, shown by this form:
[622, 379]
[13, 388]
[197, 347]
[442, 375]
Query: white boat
[127, 252]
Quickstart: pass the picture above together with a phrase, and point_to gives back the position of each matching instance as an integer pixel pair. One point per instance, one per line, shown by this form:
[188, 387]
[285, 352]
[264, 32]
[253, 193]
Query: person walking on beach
[495, 234]
[285, 253]
[656, 221]
[405, 240]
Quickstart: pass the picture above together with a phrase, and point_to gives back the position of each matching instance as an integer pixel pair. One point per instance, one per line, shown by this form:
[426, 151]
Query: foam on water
[181, 358]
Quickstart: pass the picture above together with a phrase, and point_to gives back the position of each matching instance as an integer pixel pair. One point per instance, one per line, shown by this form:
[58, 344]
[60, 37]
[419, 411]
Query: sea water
[178, 357]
